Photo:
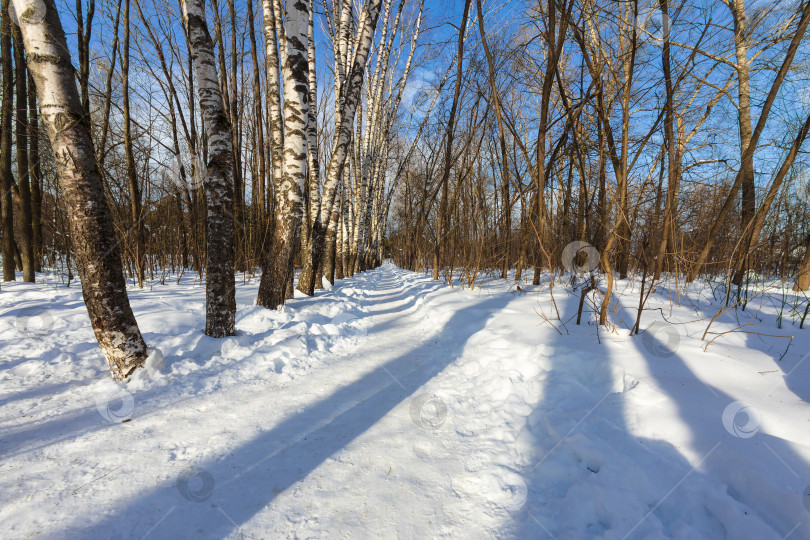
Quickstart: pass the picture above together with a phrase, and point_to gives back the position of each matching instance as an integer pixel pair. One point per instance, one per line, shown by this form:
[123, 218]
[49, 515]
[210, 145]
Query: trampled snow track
[389, 406]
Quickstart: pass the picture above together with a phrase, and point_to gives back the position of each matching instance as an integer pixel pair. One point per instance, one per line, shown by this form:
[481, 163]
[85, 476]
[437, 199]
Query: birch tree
[383, 98]
[96, 250]
[220, 310]
[347, 97]
[290, 193]
[313, 166]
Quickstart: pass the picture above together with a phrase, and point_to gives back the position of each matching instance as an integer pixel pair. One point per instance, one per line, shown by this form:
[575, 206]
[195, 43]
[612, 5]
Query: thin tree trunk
[258, 195]
[219, 284]
[136, 218]
[507, 218]
[669, 131]
[448, 152]
[555, 38]
[348, 98]
[6, 180]
[239, 199]
[35, 172]
[23, 180]
[84, 32]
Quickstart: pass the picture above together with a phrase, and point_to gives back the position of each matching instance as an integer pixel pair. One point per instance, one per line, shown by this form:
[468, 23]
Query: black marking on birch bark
[37, 58]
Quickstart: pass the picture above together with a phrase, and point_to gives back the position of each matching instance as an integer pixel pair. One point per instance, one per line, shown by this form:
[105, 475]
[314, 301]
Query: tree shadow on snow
[593, 477]
[248, 479]
[590, 476]
[760, 315]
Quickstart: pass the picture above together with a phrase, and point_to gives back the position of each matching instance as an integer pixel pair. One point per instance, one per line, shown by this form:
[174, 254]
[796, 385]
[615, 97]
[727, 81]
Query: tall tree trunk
[348, 98]
[136, 218]
[84, 32]
[669, 133]
[23, 180]
[555, 38]
[273, 284]
[35, 172]
[220, 288]
[239, 198]
[743, 65]
[448, 152]
[624, 232]
[507, 219]
[96, 249]
[194, 196]
[6, 179]
[258, 196]
[275, 132]
[306, 281]
[754, 140]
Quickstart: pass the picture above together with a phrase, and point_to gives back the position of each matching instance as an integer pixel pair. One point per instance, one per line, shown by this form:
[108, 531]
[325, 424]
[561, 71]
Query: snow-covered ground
[392, 406]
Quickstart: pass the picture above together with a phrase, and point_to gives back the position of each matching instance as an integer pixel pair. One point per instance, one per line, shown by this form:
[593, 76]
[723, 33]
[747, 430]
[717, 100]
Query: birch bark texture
[383, 98]
[290, 194]
[347, 100]
[275, 135]
[220, 287]
[96, 249]
[313, 165]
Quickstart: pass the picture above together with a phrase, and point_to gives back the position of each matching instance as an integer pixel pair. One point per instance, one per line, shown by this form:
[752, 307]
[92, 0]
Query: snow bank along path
[389, 406]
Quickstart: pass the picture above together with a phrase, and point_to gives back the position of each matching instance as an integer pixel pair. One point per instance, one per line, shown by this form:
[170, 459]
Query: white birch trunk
[220, 292]
[276, 138]
[97, 254]
[350, 96]
[382, 112]
[290, 199]
[307, 282]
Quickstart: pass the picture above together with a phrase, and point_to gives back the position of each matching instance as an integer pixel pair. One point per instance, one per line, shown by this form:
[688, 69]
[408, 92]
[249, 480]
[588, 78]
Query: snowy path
[390, 406]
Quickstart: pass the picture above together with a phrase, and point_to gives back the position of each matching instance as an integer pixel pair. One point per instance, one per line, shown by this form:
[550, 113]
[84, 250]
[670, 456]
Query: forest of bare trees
[143, 140]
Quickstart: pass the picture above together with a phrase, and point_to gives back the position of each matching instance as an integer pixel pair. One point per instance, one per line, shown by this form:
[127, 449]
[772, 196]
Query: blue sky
[440, 29]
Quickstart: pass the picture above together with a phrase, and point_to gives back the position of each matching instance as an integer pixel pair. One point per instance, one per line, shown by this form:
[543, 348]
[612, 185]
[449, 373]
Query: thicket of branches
[619, 137]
